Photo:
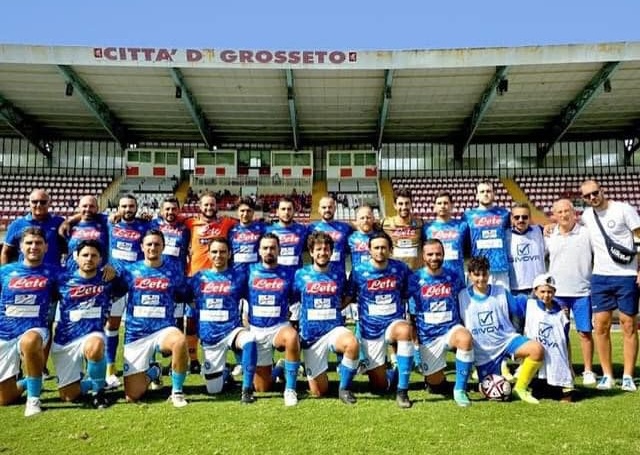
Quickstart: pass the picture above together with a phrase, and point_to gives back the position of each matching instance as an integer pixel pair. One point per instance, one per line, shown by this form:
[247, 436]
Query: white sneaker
[589, 378]
[606, 383]
[627, 384]
[237, 370]
[290, 397]
[33, 407]
[112, 382]
[178, 400]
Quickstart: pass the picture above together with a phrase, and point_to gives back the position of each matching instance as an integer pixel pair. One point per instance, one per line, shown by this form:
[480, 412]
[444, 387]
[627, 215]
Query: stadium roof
[306, 97]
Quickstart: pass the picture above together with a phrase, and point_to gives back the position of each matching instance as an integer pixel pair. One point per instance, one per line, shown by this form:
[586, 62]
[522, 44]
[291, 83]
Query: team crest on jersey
[151, 284]
[216, 287]
[321, 287]
[387, 283]
[487, 221]
[288, 238]
[86, 234]
[444, 234]
[246, 237]
[127, 234]
[28, 283]
[268, 284]
[439, 290]
[85, 290]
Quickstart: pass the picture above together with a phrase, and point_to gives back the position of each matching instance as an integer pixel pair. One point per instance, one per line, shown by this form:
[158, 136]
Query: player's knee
[244, 337]
[94, 350]
[31, 342]
[214, 382]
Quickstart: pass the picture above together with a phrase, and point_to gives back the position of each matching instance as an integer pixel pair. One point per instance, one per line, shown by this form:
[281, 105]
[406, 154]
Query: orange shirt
[202, 231]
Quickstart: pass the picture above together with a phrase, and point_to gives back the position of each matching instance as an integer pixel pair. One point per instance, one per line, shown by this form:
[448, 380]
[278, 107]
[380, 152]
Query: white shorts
[294, 310]
[315, 357]
[138, 354]
[264, 341]
[375, 351]
[69, 359]
[215, 356]
[434, 354]
[118, 306]
[10, 353]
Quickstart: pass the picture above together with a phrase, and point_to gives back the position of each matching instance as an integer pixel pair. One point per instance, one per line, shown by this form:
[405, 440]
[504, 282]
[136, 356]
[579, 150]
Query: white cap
[544, 279]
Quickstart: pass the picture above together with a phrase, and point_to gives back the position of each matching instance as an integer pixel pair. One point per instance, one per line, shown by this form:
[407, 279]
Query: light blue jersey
[454, 235]
[488, 230]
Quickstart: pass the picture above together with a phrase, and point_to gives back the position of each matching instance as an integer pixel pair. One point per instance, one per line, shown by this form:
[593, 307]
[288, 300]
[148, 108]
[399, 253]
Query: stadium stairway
[537, 216]
[182, 191]
[319, 189]
[386, 190]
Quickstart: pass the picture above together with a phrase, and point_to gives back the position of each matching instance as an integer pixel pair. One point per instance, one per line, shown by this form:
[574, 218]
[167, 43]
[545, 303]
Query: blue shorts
[581, 309]
[493, 367]
[614, 292]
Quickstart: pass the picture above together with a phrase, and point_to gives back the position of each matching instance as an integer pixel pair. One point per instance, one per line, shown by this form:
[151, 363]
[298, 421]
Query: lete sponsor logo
[246, 237]
[216, 287]
[322, 287]
[445, 234]
[152, 284]
[436, 290]
[127, 234]
[387, 283]
[28, 283]
[268, 284]
[488, 221]
[85, 290]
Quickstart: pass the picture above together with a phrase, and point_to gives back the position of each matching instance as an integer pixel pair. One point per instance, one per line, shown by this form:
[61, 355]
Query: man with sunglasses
[614, 285]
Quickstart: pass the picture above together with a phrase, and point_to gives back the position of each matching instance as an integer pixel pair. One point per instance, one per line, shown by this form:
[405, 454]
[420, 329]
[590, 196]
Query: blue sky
[330, 24]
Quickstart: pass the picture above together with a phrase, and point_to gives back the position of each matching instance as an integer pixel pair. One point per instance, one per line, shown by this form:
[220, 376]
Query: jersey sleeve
[517, 305]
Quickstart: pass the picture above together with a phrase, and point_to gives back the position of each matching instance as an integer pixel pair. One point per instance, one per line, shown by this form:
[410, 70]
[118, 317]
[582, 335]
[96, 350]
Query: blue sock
[238, 356]
[86, 385]
[153, 373]
[277, 372]
[464, 364]
[97, 371]
[177, 381]
[404, 371]
[347, 369]
[21, 384]
[112, 345]
[290, 374]
[34, 386]
[249, 359]
[417, 360]
[392, 378]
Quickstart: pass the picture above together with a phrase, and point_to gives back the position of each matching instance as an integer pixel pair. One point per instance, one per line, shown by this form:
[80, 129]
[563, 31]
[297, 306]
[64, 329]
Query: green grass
[601, 423]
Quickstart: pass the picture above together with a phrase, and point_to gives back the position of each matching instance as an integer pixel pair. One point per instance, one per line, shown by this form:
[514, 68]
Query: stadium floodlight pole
[25, 127]
[291, 99]
[384, 108]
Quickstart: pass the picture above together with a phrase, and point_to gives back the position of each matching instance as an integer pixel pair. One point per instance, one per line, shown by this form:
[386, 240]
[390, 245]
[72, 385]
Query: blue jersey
[26, 294]
[270, 294]
[454, 235]
[124, 242]
[244, 240]
[359, 247]
[293, 242]
[380, 294]
[216, 297]
[320, 295]
[55, 243]
[84, 305]
[176, 242]
[339, 231]
[95, 229]
[153, 292]
[488, 231]
[436, 302]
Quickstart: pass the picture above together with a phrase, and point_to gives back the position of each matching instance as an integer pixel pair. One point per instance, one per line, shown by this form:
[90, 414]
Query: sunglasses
[521, 217]
[39, 202]
[595, 193]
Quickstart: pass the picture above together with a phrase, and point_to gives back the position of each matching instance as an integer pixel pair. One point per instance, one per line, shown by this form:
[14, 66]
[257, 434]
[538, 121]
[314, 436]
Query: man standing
[615, 279]
[26, 291]
[488, 228]
[321, 292]
[154, 287]
[453, 233]
[217, 292]
[405, 230]
[435, 291]
[359, 240]
[90, 226]
[380, 287]
[204, 227]
[291, 236]
[270, 294]
[245, 236]
[79, 337]
[338, 230]
[526, 250]
[571, 263]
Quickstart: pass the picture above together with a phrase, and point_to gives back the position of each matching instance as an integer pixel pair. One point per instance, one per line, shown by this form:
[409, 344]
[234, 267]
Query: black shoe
[194, 367]
[346, 396]
[99, 400]
[246, 397]
[402, 399]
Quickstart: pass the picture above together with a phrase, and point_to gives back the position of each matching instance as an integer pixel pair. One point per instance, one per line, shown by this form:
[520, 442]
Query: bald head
[88, 207]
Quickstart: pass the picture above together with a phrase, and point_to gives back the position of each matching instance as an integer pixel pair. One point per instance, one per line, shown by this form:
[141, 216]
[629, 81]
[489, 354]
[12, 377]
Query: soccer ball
[495, 388]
